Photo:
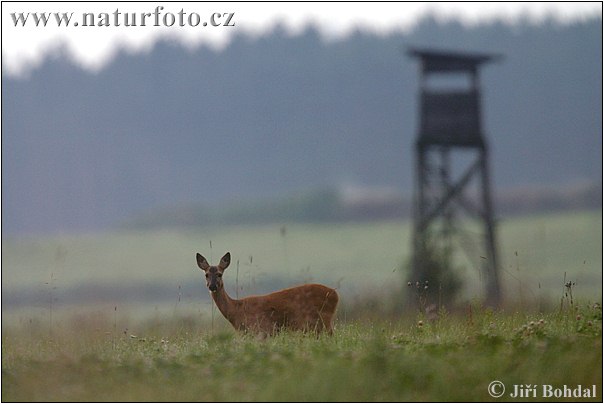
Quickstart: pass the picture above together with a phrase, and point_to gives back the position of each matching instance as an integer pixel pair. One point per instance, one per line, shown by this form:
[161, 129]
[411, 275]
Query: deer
[306, 308]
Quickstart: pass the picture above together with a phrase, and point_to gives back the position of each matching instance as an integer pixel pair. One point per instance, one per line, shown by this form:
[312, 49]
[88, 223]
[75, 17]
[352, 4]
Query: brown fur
[309, 307]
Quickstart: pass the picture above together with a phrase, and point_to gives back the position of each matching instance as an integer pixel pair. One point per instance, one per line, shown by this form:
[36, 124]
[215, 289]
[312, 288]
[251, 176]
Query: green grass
[452, 358]
[174, 348]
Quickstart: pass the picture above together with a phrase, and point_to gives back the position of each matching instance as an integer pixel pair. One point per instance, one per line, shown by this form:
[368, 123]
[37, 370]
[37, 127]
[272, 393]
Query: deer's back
[298, 307]
[311, 295]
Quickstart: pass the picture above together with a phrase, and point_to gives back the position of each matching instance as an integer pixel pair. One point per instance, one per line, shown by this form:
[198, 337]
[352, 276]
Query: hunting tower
[450, 124]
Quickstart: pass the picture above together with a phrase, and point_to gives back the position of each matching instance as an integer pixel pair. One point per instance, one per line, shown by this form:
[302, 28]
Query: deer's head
[214, 273]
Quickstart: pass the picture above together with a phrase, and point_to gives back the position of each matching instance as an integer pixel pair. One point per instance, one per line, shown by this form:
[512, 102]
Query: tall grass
[176, 348]
[449, 358]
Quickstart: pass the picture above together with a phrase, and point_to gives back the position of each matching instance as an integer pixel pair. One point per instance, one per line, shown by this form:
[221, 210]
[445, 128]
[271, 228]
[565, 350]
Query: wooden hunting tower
[450, 124]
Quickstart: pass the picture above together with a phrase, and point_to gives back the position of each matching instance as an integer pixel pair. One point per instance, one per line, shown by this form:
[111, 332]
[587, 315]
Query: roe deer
[305, 308]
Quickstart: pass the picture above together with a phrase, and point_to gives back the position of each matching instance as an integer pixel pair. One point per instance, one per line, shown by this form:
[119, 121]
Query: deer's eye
[207, 275]
[219, 275]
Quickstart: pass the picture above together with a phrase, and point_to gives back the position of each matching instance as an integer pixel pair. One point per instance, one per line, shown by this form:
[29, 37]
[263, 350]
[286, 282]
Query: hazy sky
[24, 45]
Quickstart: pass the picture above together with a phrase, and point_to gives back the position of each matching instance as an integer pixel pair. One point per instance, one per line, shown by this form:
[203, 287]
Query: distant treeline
[335, 205]
[266, 115]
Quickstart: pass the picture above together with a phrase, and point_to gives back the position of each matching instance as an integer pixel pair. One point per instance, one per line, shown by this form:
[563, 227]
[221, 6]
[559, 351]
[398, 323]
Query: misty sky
[25, 45]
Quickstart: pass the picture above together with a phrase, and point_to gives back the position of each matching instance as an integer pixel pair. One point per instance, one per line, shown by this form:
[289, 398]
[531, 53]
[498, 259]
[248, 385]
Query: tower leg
[493, 291]
[419, 208]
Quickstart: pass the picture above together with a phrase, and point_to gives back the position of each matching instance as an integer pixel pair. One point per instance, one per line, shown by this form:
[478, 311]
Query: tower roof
[450, 61]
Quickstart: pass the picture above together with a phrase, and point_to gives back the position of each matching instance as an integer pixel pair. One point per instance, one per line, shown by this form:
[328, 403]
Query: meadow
[452, 358]
[125, 316]
[155, 268]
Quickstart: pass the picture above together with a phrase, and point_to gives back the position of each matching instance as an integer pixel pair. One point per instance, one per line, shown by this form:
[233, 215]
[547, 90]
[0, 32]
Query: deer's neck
[227, 306]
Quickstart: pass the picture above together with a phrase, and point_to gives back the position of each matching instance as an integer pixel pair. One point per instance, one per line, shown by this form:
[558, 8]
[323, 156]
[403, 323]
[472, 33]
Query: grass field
[126, 316]
[452, 358]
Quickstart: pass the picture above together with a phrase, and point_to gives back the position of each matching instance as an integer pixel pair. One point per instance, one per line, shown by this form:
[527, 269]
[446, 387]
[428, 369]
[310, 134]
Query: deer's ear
[225, 261]
[202, 262]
